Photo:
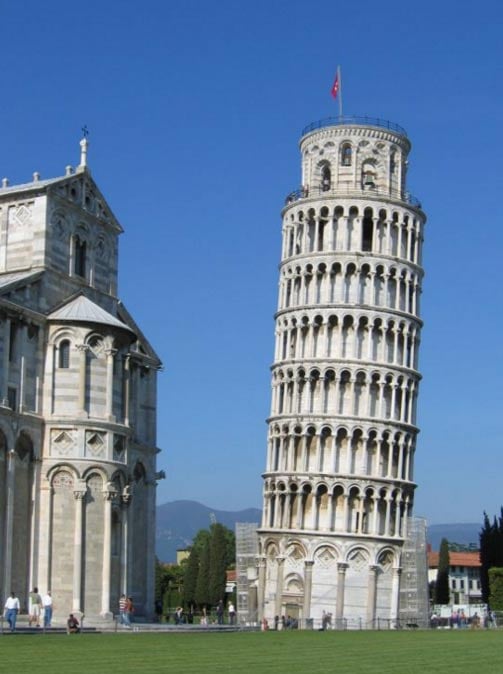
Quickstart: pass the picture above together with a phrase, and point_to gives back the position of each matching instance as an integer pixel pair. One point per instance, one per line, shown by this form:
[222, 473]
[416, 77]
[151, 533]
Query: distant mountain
[455, 533]
[179, 521]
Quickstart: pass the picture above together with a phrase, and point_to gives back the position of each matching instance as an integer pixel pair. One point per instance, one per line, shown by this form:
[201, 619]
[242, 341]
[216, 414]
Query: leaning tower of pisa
[338, 484]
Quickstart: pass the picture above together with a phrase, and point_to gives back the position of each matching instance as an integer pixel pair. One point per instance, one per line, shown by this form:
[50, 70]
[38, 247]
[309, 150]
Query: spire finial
[84, 144]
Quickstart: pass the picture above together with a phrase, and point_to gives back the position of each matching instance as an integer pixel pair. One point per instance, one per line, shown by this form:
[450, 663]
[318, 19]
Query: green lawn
[249, 653]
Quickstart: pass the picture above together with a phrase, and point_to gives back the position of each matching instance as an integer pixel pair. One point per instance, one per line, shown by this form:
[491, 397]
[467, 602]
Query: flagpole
[340, 90]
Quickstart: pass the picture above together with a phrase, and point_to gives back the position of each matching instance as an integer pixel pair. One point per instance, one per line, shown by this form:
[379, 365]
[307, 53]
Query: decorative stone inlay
[358, 560]
[95, 443]
[96, 346]
[119, 448]
[63, 481]
[325, 558]
[386, 560]
[20, 216]
[62, 441]
[295, 556]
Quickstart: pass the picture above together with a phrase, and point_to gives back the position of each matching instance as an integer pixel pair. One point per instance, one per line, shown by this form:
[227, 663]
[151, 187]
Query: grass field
[404, 652]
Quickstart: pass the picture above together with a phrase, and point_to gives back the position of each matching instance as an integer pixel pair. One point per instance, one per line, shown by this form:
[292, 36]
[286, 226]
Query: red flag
[335, 86]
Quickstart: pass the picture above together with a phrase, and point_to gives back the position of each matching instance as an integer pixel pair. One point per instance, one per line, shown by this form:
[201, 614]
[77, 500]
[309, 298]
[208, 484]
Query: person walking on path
[129, 610]
[11, 610]
[123, 613]
[48, 605]
[34, 607]
[232, 614]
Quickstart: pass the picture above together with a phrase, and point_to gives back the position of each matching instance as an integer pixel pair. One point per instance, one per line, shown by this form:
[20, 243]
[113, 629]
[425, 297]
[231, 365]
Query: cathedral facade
[77, 405]
[339, 484]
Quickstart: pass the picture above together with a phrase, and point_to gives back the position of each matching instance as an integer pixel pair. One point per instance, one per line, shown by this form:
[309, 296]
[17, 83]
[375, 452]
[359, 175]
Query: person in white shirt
[11, 610]
[47, 604]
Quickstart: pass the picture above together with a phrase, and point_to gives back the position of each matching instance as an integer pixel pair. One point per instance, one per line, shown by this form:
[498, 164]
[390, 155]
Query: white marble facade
[77, 405]
[339, 485]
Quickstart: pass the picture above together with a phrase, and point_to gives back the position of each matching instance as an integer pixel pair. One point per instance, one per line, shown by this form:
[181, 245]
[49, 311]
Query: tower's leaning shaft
[339, 485]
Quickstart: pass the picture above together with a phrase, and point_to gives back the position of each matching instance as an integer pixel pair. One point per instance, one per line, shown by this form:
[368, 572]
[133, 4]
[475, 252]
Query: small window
[64, 355]
[367, 233]
[326, 179]
[346, 155]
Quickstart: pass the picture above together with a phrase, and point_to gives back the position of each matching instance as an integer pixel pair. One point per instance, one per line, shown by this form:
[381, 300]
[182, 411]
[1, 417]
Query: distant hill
[455, 533]
[179, 521]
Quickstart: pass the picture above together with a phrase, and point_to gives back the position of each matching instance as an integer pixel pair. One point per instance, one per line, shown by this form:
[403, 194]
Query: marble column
[9, 520]
[79, 494]
[82, 348]
[261, 564]
[395, 595]
[371, 595]
[110, 353]
[5, 363]
[279, 586]
[308, 588]
[125, 502]
[341, 583]
[109, 495]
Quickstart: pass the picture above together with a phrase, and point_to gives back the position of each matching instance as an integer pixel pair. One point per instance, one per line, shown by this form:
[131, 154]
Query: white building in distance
[77, 405]
[338, 485]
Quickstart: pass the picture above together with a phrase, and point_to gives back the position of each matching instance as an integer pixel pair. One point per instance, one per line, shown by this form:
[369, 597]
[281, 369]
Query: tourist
[220, 612]
[34, 607]
[48, 606]
[129, 610]
[232, 614]
[123, 612]
[72, 625]
[11, 610]
[204, 617]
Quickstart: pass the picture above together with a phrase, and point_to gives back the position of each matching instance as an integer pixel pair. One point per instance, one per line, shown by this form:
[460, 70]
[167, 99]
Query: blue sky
[195, 110]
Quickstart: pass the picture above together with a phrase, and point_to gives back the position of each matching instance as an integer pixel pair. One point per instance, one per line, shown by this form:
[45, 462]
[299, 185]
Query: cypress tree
[203, 575]
[491, 550]
[218, 563]
[190, 578]
[442, 584]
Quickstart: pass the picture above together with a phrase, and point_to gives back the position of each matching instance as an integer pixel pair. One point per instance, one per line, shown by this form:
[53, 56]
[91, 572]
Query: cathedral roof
[83, 310]
[13, 278]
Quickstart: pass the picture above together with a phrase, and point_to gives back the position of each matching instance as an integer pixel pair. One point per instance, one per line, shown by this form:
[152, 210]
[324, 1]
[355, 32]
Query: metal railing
[354, 120]
[350, 190]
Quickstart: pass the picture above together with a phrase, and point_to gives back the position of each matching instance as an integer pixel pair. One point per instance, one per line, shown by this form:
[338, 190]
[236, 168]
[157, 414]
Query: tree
[442, 584]
[491, 550]
[218, 563]
[190, 577]
[496, 588]
[203, 576]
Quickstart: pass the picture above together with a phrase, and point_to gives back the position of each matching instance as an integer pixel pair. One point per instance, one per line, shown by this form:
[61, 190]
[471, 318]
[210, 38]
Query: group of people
[458, 619]
[36, 606]
[182, 618]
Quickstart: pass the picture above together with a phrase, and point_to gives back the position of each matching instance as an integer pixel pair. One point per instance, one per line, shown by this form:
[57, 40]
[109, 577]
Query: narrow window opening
[326, 179]
[64, 355]
[346, 155]
[13, 342]
[80, 257]
[367, 234]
